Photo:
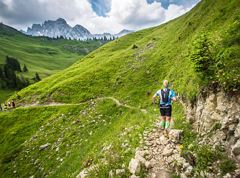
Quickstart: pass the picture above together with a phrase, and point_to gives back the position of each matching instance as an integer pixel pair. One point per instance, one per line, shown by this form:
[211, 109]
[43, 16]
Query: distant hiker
[166, 96]
[9, 104]
[5, 106]
[13, 104]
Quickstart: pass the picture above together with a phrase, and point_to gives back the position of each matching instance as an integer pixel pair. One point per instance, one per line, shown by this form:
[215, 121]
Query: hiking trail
[160, 154]
[118, 103]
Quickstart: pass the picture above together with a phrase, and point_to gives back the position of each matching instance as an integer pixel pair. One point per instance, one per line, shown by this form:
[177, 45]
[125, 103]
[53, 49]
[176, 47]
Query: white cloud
[129, 14]
[174, 11]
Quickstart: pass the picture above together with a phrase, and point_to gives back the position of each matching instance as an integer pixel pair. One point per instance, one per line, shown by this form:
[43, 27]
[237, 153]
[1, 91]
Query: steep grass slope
[119, 70]
[101, 132]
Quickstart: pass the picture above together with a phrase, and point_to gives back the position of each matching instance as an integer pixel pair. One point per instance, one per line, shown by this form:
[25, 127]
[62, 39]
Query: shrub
[202, 56]
[205, 157]
[227, 166]
[134, 46]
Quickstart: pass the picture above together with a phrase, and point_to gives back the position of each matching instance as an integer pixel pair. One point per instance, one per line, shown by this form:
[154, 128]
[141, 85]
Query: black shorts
[166, 110]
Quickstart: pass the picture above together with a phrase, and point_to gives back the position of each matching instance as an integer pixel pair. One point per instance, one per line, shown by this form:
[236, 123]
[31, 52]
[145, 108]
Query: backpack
[165, 95]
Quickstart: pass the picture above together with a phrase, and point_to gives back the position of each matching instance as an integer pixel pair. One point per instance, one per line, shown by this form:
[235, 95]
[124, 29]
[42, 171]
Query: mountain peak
[59, 27]
[61, 20]
[123, 32]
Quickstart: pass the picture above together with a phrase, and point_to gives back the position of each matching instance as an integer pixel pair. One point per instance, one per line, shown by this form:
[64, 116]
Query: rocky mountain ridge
[60, 28]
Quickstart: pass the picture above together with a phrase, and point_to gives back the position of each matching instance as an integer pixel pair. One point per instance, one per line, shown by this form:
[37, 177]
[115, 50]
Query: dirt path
[118, 103]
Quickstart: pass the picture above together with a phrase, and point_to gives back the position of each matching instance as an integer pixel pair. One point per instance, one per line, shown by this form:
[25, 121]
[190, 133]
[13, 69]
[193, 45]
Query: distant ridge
[60, 28]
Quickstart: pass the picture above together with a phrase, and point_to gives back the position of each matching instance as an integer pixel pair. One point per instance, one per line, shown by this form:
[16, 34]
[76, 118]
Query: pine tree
[105, 38]
[1, 73]
[13, 64]
[8, 72]
[37, 77]
[202, 56]
[25, 69]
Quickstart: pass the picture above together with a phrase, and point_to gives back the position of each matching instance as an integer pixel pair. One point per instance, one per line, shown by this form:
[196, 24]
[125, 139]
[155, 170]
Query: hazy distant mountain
[60, 28]
[123, 32]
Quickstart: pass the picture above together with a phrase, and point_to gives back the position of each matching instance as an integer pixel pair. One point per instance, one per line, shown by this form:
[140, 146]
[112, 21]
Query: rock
[111, 174]
[167, 151]
[237, 131]
[227, 176]
[139, 157]
[175, 135]
[182, 175]
[186, 165]
[82, 174]
[43, 147]
[236, 148]
[148, 165]
[161, 174]
[163, 140]
[120, 172]
[134, 176]
[134, 166]
[188, 171]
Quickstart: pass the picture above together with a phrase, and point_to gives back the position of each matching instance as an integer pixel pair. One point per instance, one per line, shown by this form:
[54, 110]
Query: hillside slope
[41, 54]
[62, 139]
[116, 68]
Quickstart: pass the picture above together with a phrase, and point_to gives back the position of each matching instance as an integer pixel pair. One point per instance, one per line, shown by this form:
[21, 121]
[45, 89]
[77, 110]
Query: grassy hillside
[116, 68]
[128, 69]
[40, 54]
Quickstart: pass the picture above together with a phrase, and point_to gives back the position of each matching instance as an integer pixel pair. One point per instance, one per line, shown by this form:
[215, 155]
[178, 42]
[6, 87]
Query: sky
[98, 16]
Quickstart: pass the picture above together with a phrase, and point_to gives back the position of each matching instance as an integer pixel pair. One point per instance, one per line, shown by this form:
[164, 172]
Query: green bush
[202, 56]
[220, 62]
[205, 157]
[227, 166]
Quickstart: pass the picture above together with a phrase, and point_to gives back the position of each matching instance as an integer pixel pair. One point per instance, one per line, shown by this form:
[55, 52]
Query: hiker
[5, 106]
[166, 96]
[13, 104]
[9, 104]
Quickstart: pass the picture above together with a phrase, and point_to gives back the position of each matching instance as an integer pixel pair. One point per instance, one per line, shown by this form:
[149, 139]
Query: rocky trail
[159, 154]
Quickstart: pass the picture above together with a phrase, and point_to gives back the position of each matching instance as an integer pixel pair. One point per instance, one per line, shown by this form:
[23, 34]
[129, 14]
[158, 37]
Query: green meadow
[130, 69]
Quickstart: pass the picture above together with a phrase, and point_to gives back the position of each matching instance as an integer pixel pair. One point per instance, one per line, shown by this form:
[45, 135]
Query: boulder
[138, 156]
[111, 174]
[120, 172]
[188, 171]
[236, 148]
[163, 140]
[167, 151]
[237, 131]
[82, 174]
[43, 147]
[134, 166]
[148, 165]
[134, 176]
[175, 135]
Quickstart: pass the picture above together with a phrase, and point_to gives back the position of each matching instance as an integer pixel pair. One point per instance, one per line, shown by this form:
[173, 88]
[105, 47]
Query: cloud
[128, 14]
[101, 7]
